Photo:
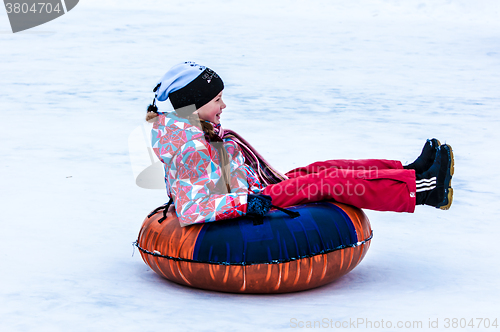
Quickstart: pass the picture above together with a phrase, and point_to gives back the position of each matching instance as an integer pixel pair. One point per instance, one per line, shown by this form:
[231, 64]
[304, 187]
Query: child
[213, 174]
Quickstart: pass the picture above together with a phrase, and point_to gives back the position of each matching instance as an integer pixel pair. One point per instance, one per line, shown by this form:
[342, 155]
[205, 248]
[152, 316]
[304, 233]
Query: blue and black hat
[187, 84]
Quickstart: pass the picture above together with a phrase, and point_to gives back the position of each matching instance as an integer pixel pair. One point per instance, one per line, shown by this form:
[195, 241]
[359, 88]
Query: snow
[305, 81]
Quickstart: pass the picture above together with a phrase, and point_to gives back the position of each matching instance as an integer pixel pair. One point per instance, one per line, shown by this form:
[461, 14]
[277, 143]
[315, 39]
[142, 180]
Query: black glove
[258, 205]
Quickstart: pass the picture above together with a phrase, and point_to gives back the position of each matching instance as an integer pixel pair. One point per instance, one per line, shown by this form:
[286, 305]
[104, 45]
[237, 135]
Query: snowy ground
[305, 81]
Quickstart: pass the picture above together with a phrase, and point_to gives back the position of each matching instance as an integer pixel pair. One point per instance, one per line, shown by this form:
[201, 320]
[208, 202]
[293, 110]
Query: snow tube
[280, 255]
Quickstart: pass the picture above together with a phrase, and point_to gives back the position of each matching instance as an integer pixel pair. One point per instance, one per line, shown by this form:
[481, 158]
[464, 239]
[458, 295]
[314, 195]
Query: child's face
[211, 111]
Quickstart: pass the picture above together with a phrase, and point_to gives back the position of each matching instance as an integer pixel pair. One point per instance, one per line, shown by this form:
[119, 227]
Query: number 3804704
[36, 8]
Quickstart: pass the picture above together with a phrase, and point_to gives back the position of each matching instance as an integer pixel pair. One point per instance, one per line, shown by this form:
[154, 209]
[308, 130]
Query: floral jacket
[193, 175]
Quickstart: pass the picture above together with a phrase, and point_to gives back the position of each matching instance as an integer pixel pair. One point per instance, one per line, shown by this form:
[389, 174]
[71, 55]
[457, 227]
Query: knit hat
[188, 84]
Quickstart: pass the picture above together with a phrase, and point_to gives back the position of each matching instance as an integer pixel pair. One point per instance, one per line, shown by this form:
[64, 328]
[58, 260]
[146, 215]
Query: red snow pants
[375, 184]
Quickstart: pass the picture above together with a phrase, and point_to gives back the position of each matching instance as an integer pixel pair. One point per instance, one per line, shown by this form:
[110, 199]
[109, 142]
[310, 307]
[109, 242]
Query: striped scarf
[266, 173]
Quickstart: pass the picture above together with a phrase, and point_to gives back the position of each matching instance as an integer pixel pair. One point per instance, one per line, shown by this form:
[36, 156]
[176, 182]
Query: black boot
[426, 158]
[434, 185]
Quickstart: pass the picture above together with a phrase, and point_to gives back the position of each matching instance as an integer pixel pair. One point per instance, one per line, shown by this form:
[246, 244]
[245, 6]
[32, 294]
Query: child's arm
[196, 178]
[241, 174]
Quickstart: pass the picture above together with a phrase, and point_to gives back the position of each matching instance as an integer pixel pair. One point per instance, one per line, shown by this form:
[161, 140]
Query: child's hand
[258, 205]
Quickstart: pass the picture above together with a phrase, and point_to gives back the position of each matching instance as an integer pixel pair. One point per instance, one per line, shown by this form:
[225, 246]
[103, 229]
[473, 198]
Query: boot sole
[452, 167]
[449, 197]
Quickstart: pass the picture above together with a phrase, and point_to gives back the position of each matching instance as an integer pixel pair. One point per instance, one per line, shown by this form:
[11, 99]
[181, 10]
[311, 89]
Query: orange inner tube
[170, 251]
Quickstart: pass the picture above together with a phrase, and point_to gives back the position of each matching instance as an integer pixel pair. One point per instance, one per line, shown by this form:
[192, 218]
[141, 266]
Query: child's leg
[376, 189]
[359, 164]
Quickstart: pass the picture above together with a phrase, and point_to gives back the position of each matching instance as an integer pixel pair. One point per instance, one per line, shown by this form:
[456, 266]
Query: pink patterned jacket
[193, 176]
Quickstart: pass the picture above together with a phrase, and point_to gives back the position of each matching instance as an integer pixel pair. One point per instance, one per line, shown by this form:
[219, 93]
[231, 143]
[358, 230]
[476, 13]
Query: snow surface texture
[305, 81]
